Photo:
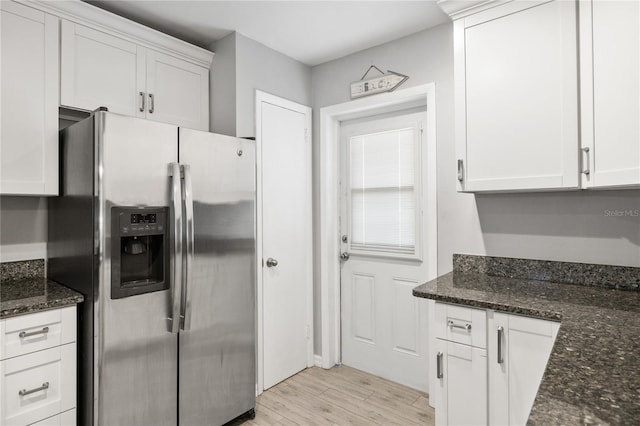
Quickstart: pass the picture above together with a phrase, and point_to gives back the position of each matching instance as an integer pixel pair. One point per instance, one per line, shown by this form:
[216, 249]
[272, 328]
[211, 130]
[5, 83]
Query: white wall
[222, 84]
[242, 65]
[555, 226]
[260, 67]
[23, 228]
[572, 226]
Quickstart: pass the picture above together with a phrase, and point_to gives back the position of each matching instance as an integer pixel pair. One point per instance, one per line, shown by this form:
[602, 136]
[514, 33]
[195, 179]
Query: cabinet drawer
[34, 332]
[68, 418]
[38, 385]
[462, 325]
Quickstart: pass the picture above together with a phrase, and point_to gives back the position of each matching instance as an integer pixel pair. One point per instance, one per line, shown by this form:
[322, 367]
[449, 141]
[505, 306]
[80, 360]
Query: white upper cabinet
[516, 78]
[522, 71]
[29, 110]
[177, 91]
[610, 89]
[98, 69]
[102, 65]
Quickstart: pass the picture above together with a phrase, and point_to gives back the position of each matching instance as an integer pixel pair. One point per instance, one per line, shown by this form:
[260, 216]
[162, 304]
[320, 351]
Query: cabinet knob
[271, 262]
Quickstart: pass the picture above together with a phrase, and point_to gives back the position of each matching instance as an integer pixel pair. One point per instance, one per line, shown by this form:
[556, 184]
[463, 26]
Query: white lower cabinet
[63, 419]
[518, 351]
[38, 369]
[461, 389]
[488, 371]
[461, 365]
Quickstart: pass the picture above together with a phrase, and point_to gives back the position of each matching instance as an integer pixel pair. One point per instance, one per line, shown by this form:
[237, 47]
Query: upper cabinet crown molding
[107, 22]
[457, 9]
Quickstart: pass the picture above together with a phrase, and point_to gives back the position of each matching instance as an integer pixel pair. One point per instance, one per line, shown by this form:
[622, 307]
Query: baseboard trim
[317, 360]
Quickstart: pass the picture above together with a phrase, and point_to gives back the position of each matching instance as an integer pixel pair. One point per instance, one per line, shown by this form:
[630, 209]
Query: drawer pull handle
[24, 334]
[25, 392]
[466, 327]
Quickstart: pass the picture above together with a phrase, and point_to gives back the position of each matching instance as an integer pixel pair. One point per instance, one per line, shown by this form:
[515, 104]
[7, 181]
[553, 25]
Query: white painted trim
[263, 97]
[110, 23]
[317, 361]
[457, 9]
[330, 118]
[17, 252]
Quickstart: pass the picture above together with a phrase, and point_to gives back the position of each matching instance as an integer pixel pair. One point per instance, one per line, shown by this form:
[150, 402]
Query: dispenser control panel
[142, 223]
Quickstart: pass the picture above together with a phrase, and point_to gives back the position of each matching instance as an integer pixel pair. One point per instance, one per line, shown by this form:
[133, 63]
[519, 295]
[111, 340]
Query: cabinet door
[529, 343]
[514, 377]
[497, 359]
[610, 89]
[99, 69]
[461, 392]
[516, 97]
[439, 391]
[29, 106]
[178, 91]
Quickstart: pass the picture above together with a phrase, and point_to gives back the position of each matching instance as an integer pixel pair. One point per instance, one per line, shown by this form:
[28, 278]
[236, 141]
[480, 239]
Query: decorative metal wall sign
[384, 83]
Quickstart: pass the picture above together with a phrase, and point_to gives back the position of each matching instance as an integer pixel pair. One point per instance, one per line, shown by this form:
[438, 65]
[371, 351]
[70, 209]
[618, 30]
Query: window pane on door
[383, 199]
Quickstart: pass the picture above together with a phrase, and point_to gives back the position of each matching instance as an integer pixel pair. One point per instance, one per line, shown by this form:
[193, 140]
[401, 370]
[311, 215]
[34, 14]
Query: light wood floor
[341, 396]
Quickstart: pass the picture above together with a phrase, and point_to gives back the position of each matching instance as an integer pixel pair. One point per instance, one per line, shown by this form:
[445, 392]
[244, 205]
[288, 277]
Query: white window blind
[383, 199]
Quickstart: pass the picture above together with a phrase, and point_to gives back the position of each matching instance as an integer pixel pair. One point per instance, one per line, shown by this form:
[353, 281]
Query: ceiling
[311, 32]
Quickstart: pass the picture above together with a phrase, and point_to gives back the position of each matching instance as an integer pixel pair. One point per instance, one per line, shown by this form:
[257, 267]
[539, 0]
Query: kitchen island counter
[592, 376]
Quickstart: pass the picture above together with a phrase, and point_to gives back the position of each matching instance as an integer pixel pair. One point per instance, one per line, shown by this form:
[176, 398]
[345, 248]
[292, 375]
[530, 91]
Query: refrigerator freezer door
[217, 351]
[137, 355]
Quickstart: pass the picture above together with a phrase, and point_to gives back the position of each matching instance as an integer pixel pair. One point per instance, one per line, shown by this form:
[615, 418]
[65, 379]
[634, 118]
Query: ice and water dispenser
[140, 250]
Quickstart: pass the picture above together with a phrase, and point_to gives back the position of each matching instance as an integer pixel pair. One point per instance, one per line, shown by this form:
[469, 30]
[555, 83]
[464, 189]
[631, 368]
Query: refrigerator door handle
[189, 228]
[176, 247]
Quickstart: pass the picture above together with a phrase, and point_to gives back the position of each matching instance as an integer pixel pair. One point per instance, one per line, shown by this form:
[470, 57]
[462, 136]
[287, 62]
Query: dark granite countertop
[24, 290]
[29, 295]
[593, 373]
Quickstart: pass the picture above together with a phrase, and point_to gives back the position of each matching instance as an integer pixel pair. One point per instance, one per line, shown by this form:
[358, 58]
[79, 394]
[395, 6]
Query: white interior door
[285, 228]
[388, 198]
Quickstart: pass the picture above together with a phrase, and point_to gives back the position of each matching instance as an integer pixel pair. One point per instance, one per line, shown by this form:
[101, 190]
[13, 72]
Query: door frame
[330, 119]
[263, 97]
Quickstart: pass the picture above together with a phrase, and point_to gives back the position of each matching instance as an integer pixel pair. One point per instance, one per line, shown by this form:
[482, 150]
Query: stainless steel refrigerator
[155, 225]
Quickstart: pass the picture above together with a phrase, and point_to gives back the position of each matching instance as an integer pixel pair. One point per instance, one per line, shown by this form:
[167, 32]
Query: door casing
[329, 170]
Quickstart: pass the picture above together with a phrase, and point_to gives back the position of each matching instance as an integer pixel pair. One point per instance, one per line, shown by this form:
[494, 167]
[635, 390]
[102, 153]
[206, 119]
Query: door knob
[344, 255]
[271, 262]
